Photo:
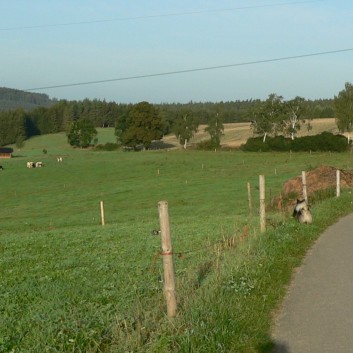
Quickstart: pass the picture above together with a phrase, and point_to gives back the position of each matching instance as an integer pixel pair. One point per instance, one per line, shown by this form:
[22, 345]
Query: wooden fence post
[249, 197]
[167, 254]
[305, 193]
[102, 213]
[338, 183]
[262, 203]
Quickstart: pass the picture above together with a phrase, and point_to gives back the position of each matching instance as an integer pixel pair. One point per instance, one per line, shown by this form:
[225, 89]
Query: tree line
[139, 124]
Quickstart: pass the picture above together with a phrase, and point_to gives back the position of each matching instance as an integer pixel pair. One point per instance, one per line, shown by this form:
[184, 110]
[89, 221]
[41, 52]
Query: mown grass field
[236, 134]
[69, 284]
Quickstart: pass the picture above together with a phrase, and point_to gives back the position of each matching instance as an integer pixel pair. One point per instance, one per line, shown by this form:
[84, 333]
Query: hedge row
[109, 146]
[325, 141]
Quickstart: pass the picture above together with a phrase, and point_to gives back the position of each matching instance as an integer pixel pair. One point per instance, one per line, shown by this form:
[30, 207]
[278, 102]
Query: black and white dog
[302, 212]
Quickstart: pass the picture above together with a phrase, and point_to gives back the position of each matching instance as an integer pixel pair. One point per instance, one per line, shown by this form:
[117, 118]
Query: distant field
[236, 134]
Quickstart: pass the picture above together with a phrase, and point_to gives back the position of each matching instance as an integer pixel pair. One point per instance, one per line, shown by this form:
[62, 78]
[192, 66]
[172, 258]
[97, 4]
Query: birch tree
[267, 116]
[215, 129]
[185, 126]
[343, 104]
[295, 116]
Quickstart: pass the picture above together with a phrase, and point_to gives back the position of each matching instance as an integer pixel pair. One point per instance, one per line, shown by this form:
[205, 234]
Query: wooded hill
[13, 98]
[24, 114]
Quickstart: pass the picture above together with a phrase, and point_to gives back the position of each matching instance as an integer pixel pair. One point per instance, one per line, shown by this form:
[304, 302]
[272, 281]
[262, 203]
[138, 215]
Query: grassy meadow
[68, 284]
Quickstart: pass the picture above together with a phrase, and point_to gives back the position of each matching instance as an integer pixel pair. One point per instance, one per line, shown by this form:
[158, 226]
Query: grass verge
[233, 310]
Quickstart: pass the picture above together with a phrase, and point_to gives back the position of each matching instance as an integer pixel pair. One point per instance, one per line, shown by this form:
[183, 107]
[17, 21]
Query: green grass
[70, 285]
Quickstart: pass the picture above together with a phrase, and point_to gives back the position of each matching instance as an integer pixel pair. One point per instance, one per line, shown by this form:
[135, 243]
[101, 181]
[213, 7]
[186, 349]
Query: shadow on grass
[160, 145]
[273, 347]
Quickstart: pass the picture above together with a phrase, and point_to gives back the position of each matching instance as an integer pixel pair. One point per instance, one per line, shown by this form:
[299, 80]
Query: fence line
[64, 211]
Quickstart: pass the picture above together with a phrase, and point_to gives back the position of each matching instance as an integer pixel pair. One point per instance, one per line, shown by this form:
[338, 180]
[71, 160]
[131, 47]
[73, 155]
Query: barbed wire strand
[178, 72]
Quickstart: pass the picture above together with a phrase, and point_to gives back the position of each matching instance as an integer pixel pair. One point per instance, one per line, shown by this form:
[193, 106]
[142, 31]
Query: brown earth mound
[321, 178]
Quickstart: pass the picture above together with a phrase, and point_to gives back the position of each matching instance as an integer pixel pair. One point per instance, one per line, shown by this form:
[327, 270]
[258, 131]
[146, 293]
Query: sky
[164, 51]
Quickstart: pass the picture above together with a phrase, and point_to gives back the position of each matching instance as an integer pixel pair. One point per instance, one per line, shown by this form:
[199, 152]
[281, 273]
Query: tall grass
[70, 285]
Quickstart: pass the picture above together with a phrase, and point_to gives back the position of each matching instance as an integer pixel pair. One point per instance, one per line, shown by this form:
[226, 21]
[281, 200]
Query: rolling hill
[13, 98]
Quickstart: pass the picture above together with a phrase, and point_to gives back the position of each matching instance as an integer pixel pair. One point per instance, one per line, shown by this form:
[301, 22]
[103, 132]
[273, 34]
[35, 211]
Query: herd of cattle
[40, 164]
[35, 164]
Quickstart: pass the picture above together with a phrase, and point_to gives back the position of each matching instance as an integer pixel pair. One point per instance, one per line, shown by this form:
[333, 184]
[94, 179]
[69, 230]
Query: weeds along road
[317, 315]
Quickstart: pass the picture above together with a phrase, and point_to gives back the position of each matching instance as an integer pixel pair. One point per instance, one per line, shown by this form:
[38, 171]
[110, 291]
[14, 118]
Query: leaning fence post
[338, 183]
[305, 193]
[262, 203]
[167, 254]
[102, 213]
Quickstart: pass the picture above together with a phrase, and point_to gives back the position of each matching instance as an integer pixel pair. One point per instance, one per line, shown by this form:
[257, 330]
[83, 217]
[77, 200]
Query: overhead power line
[197, 12]
[192, 70]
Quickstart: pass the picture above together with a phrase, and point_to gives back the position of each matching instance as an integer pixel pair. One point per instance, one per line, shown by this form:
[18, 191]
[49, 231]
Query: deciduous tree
[343, 104]
[215, 128]
[185, 126]
[144, 124]
[81, 133]
[294, 114]
[267, 115]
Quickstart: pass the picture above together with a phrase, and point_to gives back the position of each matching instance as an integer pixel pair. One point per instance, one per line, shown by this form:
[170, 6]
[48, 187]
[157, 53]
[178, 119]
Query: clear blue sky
[133, 38]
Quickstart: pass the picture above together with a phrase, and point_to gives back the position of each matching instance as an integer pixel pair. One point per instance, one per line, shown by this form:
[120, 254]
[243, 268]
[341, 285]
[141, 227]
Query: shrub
[325, 141]
[337, 143]
[109, 146]
[279, 143]
[255, 144]
[207, 145]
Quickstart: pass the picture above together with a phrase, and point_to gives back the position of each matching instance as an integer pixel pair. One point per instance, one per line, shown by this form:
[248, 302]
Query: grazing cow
[39, 164]
[302, 212]
[31, 165]
[59, 159]
[1, 167]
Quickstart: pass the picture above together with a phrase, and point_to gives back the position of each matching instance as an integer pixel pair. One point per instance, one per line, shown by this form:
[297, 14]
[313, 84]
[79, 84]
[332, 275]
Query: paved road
[317, 315]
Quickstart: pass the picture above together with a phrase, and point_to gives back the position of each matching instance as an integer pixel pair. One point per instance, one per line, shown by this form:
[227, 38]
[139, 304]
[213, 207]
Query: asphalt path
[317, 314]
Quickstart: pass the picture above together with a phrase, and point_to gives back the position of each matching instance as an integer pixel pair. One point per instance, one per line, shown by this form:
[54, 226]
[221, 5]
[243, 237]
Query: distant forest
[13, 98]
[24, 114]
